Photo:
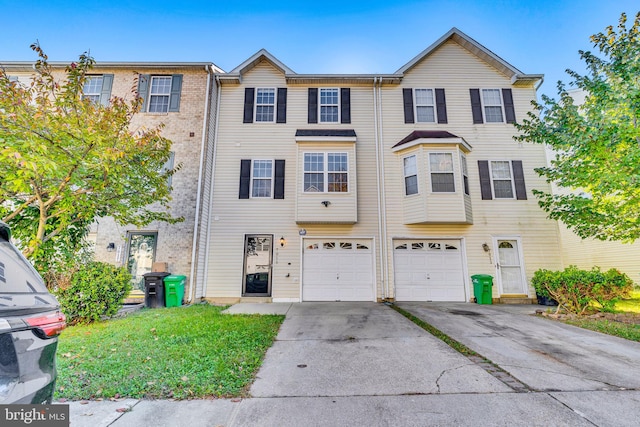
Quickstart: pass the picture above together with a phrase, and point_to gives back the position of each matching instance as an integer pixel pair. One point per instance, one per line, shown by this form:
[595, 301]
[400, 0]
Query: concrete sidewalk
[359, 364]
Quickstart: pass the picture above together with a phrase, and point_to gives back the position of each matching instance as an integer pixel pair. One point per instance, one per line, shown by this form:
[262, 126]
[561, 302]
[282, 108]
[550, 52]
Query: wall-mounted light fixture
[326, 203]
[282, 241]
[485, 247]
[111, 247]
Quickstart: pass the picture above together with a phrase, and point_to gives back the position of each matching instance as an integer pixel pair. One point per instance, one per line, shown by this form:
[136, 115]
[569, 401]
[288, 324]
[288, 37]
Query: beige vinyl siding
[343, 206]
[456, 70]
[428, 206]
[468, 211]
[589, 253]
[232, 217]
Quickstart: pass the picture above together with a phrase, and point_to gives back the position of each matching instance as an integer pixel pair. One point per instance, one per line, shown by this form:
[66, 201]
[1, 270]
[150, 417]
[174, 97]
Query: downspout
[192, 288]
[213, 174]
[385, 244]
[381, 236]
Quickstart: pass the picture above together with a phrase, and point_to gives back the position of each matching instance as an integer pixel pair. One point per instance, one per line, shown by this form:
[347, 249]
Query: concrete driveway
[363, 349]
[544, 354]
[365, 364]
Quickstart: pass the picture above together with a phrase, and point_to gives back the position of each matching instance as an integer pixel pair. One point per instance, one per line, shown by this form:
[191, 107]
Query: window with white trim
[329, 105]
[425, 105]
[326, 172]
[265, 104]
[492, 104]
[261, 178]
[465, 173]
[502, 180]
[410, 175]
[159, 94]
[92, 88]
[441, 171]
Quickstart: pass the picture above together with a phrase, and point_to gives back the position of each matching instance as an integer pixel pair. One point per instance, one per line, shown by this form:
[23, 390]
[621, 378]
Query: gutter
[383, 205]
[192, 288]
[382, 221]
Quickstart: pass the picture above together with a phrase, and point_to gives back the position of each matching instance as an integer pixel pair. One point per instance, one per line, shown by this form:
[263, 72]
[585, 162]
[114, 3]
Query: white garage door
[337, 270]
[428, 270]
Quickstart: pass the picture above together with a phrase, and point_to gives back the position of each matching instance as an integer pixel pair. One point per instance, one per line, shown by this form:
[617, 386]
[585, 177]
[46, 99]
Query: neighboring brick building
[181, 96]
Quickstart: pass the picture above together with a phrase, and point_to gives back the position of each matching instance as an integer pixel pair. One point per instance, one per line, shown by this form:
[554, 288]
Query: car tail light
[50, 324]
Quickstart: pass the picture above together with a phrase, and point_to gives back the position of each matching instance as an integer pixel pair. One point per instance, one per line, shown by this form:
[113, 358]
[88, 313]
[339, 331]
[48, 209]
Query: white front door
[337, 270]
[509, 267]
[428, 270]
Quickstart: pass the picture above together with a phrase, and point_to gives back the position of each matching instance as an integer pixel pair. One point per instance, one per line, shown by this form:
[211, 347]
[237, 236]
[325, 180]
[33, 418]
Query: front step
[516, 299]
[256, 299]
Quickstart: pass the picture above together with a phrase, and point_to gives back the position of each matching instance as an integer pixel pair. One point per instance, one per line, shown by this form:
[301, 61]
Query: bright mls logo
[34, 415]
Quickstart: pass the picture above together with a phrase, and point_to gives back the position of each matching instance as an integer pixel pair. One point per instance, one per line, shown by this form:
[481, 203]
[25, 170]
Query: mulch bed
[629, 318]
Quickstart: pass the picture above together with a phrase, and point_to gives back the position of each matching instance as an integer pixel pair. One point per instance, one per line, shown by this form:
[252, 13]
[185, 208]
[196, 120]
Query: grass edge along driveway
[180, 352]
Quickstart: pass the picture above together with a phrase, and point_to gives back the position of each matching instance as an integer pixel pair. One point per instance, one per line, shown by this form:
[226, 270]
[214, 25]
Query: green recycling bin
[174, 289]
[482, 288]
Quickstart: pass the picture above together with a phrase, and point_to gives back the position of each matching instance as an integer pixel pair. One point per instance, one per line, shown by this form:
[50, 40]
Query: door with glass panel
[509, 268]
[257, 265]
[140, 257]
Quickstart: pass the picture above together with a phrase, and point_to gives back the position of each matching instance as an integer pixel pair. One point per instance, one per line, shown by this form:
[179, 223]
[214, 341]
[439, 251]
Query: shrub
[96, 289]
[577, 290]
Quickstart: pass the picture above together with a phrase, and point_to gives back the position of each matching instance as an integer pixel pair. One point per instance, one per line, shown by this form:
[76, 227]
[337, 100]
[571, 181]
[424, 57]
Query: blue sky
[328, 36]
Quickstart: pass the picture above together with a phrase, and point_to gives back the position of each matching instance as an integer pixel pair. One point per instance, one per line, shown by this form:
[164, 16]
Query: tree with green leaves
[66, 160]
[597, 143]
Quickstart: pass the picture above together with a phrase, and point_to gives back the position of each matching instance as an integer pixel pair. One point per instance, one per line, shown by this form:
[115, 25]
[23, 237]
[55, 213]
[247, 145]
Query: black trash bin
[154, 289]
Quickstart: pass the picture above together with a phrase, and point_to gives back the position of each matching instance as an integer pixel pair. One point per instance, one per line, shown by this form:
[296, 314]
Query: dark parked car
[30, 322]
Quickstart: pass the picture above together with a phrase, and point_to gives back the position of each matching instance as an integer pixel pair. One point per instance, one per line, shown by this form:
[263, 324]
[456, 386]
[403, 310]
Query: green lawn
[180, 352]
[622, 330]
[628, 331]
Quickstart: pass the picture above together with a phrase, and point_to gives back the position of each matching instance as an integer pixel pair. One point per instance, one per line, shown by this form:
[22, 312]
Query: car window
[17, 276]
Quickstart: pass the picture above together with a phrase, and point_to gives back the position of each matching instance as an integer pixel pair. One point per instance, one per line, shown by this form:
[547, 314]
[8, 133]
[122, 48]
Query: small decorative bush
[95, 290]
[578, 290]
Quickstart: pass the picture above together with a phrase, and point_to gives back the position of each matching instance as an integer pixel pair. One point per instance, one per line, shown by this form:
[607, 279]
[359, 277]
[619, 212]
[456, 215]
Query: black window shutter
[518, 179]
[476, 106]
[313, 105]
[143, 89]
[485, 180]
[248, 105]
[245, 178]
[105, 93]
[441, 106]
[509, 112]
[281, 115]
[176, 90]
[407, 96]
[345, 105]
[278, 188]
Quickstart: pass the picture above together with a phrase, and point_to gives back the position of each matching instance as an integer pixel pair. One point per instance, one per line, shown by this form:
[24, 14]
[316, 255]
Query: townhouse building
[375, 187]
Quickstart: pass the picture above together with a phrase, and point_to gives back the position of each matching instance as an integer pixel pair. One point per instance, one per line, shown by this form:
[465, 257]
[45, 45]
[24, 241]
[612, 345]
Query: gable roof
[479, 51]
[256, 58]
